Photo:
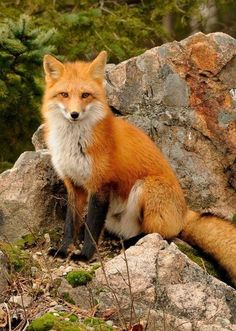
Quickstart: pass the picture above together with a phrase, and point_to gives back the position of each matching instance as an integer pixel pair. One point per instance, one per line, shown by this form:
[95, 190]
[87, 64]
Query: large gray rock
[31, 196]
[174, 291]
[183, 94]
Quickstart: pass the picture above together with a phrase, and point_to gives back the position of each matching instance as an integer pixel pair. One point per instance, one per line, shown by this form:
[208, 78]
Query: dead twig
[8, 315]
[132, 309]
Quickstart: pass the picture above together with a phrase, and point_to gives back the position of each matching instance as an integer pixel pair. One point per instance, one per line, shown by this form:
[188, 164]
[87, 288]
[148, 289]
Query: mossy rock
[67, 322]
[18, 259]
[201, 259]
[79, 277]
[66, 296]
[56, 322]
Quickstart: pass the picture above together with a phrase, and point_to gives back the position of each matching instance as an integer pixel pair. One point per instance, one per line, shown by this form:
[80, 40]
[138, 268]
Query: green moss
[67, 298]
[234, 218]
[28, 240]
[37, 237]
[19, 260]
[78, 277]
[5, 165]
[73, 318]
[43, 323]
[66, 322]
[55, 235]
[95, 267]
[200, 259]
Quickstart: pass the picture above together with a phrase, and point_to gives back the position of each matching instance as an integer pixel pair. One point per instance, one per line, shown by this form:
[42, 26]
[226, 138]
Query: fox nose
[74, 115]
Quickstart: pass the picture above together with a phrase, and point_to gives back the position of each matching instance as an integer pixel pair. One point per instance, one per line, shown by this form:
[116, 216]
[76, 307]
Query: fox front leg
[68, 236]
[97, 212]
[73, 231]
[77, 200]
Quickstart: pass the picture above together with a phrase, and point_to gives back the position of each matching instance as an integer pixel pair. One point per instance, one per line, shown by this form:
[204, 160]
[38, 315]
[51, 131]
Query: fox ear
[97, 66]
[53, 68]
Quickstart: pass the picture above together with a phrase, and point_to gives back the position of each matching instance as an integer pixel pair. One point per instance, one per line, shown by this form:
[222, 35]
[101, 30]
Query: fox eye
[64, 94]
[85, 95]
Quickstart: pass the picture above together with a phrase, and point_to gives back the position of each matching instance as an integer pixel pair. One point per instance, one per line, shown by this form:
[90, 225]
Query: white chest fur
[67, 143]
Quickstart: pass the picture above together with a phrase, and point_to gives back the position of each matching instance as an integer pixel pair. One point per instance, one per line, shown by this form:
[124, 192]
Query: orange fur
[122, 158]
[216, 236]
[77, 198]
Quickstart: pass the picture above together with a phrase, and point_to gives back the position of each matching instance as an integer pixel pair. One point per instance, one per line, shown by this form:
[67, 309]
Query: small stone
[23, 301]
[35, 286]
[34, 270]
[38, 253]
[74, 265]
[58, 259]
[53, 303]
[59, 308]
[67, 269]
[51, 310]
[47, 238]
[110, 323]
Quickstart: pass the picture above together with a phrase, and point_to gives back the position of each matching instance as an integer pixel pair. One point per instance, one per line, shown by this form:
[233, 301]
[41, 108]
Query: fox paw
[57, 252]
[78, 257]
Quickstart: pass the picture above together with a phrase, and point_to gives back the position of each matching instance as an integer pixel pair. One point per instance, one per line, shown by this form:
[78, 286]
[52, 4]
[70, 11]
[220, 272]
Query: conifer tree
[22, 46]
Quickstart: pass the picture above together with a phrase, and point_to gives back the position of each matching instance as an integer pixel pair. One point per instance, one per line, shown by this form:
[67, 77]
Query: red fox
[109, 163]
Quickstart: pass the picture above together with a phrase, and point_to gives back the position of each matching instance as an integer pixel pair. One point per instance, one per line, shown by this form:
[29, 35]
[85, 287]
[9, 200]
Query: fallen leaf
[137, 327]
[3, 318]
[108, 313]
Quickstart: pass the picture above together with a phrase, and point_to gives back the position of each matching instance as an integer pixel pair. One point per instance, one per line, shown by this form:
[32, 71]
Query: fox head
[74, 91]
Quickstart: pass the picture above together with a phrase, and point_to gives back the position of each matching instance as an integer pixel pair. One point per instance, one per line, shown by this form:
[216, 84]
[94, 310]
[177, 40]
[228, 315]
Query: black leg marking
[68, 236]
[97, 211]
[81, 233]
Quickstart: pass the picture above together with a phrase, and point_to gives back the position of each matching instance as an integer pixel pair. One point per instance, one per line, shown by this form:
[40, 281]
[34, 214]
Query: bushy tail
[215, 236]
